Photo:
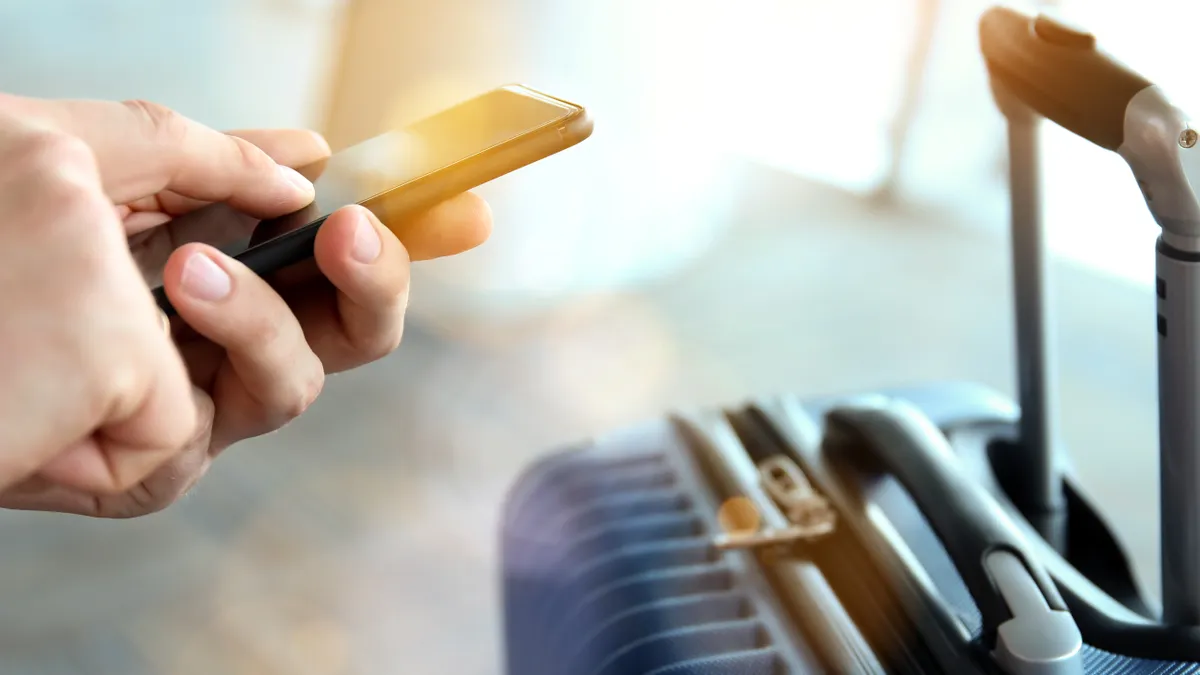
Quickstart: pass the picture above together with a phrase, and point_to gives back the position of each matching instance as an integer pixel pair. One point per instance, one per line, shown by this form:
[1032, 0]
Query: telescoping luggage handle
[1058, 72]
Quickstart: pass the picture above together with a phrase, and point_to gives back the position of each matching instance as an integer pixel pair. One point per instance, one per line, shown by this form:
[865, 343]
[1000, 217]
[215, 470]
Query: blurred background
[780, 196]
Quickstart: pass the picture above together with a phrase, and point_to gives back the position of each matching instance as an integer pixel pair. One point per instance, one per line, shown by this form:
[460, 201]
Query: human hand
[93, 391]
[256, 356]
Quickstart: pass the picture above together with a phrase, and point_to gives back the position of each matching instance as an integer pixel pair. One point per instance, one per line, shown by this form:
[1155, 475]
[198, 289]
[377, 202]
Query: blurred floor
[361, 539]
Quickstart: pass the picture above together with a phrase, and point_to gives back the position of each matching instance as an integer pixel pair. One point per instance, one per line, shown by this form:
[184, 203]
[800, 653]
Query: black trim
[1173, 253]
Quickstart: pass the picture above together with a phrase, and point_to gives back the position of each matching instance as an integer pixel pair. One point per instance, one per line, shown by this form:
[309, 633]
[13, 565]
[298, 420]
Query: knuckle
[378, 346]
[123, 475]
[124, 481]
[160, 122]
[73, 205]
[185, 432]
[156, 504]
[251, 157]
[49, 153]
[369, 339]
[141, 500]
[114, 383]
[302, 394]
[168, 484]
[59, 180]
[134, 377]
[263, 332]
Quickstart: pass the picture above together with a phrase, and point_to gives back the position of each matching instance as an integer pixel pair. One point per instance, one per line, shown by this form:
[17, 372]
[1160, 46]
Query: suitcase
[933, 529]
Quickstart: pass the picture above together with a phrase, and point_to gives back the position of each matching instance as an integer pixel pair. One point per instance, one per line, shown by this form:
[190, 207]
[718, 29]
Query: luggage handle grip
[1057, 70]
[1025, 620]
[1039, 66]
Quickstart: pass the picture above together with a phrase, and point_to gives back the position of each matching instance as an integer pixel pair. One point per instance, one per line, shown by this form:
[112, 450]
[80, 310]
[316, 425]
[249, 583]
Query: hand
[256, 356]
[92, 388]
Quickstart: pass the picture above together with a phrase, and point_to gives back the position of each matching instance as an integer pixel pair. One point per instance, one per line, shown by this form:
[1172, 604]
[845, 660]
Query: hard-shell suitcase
[931, 529]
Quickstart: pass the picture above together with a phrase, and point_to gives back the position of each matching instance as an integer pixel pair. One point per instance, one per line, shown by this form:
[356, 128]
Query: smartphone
[396, 175]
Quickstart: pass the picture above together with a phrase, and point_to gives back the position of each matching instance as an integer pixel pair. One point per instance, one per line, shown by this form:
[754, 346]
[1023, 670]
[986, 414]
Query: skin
[103, 412]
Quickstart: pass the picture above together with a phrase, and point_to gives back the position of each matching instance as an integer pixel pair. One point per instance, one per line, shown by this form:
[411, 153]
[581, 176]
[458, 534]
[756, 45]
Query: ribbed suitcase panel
[609, 571]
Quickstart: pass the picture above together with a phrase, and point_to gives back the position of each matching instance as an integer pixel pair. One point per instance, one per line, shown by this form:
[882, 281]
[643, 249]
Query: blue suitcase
[936, 529]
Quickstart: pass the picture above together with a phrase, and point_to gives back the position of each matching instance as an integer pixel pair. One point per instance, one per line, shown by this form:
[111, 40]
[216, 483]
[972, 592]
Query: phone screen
[386, 163]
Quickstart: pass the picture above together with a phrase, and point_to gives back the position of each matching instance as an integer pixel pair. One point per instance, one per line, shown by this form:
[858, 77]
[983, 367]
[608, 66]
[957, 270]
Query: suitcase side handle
[1026, 622]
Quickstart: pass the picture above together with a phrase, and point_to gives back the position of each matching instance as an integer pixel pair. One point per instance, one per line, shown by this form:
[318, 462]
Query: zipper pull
[808, 514]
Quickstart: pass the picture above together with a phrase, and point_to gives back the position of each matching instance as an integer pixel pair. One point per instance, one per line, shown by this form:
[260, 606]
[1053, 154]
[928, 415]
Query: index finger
[301, 149]
[144, 148]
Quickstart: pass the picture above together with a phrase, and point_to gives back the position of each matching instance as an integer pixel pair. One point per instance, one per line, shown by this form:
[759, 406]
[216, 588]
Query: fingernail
[204, 279]
[367, 244]
[298, 181]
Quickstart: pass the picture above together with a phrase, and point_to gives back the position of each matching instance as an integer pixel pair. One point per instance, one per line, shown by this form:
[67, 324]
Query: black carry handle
[1058, 72]
[903, 443]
